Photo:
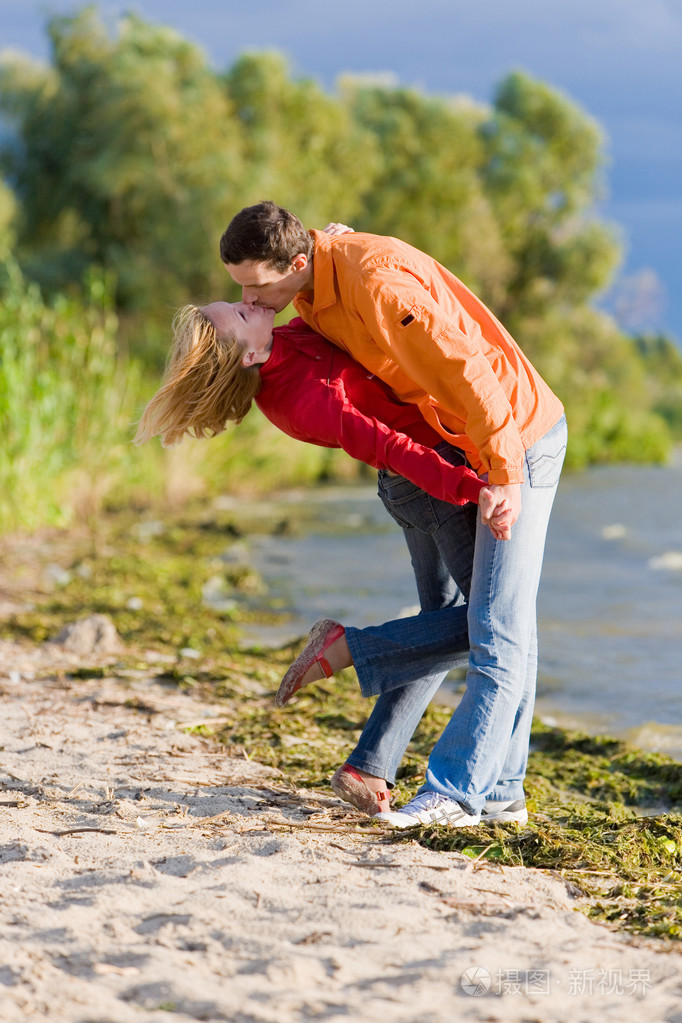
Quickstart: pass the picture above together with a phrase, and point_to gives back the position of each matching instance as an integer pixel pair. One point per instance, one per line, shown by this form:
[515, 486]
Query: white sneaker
[496, 810]
[429, 808]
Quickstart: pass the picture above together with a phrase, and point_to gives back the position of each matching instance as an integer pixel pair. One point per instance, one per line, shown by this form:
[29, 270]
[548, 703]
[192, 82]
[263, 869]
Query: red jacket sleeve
[311, 409]
[371, 441]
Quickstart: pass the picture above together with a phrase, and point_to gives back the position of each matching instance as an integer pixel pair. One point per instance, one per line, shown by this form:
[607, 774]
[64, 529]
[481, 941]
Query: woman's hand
[496, 512]
[338, 229]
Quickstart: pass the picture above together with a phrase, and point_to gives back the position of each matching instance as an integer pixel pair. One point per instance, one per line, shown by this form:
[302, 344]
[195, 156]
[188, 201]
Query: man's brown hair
[265, 233]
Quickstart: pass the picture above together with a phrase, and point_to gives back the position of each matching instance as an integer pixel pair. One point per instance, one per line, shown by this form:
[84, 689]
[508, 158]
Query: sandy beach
[147, 873]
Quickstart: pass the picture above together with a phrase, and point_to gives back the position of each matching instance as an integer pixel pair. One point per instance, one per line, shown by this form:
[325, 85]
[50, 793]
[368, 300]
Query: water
[610, 605]
[610, 602]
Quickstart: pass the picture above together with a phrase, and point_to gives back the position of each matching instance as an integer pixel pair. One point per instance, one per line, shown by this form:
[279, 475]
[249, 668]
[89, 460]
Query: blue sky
[621, 60]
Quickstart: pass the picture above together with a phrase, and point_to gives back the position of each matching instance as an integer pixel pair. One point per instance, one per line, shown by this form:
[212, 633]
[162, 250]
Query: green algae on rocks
[591, 800]
[628, 867]
[604, 815]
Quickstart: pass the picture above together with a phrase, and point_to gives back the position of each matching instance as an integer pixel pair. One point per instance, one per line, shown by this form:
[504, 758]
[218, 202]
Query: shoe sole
[355, 792]
[314, 648]
[505, 817]
[395, 821]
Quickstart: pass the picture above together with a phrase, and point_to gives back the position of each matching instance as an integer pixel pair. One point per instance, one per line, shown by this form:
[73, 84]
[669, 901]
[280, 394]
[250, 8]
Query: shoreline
[171, 842]
[147, 869]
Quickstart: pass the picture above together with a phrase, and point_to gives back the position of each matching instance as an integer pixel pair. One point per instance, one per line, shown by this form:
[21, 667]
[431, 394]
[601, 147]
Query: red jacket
[314, 392]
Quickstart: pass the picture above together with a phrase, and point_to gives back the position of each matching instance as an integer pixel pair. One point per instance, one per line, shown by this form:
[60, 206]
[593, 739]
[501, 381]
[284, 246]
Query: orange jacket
[417, 327]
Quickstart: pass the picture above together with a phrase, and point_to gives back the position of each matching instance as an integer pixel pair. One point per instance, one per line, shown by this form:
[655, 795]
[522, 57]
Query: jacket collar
[324, 289]
[271, 365]
[288, 345]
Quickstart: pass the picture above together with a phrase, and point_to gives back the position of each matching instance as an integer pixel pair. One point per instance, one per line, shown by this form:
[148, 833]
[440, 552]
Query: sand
[147, 874]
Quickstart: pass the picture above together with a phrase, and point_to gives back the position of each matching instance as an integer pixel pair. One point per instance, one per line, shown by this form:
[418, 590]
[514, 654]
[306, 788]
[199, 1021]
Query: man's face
[262, 285]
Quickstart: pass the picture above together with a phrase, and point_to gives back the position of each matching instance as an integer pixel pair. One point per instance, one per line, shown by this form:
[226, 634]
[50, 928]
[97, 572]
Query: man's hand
[500, 506]
[338, 229]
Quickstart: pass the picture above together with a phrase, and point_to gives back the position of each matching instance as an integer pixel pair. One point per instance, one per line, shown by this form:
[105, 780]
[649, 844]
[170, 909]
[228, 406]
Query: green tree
[8, 216]
[428, 189]
[126, 155]
[129, 153]
[303, 149]
[542, 174]
[602, 381]
[662, 361]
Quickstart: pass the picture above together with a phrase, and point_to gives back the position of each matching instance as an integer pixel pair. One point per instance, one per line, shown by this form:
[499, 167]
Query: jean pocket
[397, 489]
[408, 504]
[546, 457]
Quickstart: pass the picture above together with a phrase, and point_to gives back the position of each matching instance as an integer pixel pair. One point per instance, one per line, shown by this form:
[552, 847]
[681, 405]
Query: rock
[95, 634]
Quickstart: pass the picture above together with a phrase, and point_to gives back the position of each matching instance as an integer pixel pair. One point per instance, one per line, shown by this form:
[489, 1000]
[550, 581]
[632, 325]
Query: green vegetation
[69, 398]
[124, 158]
[64, 401]
[600, 811]
[601, 816]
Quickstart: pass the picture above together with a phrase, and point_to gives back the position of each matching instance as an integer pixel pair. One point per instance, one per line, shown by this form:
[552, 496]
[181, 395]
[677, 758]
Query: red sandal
[322, 635]
[349, 785]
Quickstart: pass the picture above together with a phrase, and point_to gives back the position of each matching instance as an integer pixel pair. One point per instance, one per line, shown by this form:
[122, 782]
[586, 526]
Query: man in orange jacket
[421, 330]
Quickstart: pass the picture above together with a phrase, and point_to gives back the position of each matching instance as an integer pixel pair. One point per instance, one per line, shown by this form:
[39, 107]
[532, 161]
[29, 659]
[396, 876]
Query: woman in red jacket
[227, 355]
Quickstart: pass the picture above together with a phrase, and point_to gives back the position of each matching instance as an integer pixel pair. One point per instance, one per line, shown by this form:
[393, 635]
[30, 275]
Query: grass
[65, 402]
[626, 860]
[627, 866]
[69, 402]
[604, 815]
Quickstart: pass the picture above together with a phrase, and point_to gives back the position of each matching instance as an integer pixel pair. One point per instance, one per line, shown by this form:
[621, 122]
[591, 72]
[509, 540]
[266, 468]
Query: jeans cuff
[361, 763]
[369, 686]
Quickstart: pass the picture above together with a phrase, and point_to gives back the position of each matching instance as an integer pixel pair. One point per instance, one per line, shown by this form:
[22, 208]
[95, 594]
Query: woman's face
[251, 325]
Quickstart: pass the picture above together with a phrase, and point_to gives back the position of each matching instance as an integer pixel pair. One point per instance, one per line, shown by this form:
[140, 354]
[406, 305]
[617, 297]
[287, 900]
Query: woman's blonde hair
[205, 385]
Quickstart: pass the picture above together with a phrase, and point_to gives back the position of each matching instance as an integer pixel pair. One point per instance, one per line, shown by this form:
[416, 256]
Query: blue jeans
[440, 538]
[483, 751]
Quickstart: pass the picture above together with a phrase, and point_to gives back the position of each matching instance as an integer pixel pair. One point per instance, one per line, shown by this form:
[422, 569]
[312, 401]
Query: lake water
[609, 608]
